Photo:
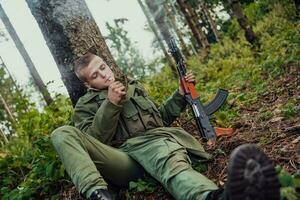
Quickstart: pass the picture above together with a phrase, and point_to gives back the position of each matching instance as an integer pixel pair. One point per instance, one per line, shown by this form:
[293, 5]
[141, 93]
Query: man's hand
[116, 91]
[189, 77]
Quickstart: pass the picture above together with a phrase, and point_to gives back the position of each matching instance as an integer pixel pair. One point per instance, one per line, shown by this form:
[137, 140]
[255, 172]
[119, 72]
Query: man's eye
[94, 76]
[102, 67]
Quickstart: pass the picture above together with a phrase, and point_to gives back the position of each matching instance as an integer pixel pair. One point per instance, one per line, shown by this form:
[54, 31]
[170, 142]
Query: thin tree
[243, 21]
[160, 20]
[154, 29]
[196, 18]
[182, 20]
[70, 31]
[34, 73]
[297, 5]
[3, 135]
[18, 91]
[212, 23]
[7, 109]
[172, 21]
[197, 32]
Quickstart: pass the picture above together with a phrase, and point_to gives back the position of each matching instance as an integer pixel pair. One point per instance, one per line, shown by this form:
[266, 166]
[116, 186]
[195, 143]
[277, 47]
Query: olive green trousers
[91, 163]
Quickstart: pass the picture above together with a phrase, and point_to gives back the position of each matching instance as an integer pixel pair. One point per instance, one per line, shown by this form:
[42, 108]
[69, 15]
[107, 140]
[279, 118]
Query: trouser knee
[64, 134]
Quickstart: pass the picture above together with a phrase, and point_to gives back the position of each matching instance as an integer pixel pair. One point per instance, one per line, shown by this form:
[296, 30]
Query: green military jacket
[136, 115]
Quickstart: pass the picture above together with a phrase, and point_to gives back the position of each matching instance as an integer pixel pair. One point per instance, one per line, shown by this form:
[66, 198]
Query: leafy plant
[143, 185]
[290, 184]
[31, 167]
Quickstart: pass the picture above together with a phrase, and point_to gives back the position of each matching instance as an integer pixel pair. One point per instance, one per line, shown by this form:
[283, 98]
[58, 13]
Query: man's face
[98, 74]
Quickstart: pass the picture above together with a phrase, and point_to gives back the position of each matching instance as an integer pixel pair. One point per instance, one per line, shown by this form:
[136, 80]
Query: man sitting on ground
[120, 135]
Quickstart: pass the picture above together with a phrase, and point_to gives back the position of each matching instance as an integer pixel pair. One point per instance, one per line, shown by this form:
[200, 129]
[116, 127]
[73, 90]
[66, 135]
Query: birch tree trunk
[34, 73]
[70, 31]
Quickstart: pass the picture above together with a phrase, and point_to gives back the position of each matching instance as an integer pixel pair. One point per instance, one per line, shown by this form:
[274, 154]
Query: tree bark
[197, 32]
[154, 29]
[159, 18]
[243, 20]
[34, 73]
[10, 76]
[196, 19]
[70, 31]
[297, 5]
[8, 111]
[210, 21]
[4, 136]
[177, 12]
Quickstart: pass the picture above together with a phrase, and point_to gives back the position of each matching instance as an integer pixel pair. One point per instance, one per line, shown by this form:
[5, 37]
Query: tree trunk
[177, 12]
[196, 19]
[35, 75]
[159, 18]
[197, 32]
[153, 28]
[4, 136]
[297, 5]
[210, 21]
[70, 31]
[9, 113]
[243, 20]
[10, 76]
[172, 21]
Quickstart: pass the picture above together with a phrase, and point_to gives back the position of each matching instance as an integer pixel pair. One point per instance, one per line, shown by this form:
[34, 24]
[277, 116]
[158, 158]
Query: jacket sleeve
[172, 108]
[101, 123]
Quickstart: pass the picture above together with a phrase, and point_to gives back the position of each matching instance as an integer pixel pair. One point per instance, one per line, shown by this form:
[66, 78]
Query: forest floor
[268, 123]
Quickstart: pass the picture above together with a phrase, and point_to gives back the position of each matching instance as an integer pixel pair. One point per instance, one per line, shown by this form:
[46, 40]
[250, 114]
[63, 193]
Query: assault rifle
[201, 113]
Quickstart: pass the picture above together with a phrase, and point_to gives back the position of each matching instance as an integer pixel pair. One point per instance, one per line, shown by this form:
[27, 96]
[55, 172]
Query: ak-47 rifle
[201, 113]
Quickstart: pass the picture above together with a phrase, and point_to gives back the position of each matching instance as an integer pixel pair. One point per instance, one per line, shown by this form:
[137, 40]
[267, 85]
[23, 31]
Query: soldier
[120, 135]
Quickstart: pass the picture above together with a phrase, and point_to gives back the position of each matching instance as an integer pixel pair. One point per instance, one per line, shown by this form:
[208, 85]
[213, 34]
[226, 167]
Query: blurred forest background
[249, 47]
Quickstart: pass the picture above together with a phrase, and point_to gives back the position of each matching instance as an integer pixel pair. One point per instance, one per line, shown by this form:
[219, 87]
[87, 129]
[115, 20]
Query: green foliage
[146, 184]
[161, 85]
[265, 115]
[257, 10]
[290, 109]
[280, 41]
[290, 184]
[14, 97]
[128, 58]
[237, 67]
[30, 167]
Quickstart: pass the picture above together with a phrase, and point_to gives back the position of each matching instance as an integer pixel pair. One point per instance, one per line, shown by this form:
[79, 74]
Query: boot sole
[251, 175]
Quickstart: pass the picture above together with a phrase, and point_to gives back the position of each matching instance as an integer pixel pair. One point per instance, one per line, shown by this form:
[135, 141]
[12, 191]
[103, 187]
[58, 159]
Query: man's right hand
[116, 91]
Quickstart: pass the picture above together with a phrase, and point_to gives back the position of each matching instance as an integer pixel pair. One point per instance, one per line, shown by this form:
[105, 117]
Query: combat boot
[251, 176]
[101, 194]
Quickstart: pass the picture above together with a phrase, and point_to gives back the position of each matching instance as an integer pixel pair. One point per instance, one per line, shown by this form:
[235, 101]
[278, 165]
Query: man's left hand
[189, 77]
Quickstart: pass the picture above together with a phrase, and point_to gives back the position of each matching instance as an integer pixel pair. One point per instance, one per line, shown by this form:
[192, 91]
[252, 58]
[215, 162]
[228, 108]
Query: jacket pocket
[131, 118]
[150, 114]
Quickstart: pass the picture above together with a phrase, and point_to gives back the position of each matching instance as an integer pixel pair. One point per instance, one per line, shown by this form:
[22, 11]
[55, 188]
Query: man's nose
[102, 74]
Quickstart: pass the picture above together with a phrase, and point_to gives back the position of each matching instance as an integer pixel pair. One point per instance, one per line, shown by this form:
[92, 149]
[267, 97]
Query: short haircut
[81, 63]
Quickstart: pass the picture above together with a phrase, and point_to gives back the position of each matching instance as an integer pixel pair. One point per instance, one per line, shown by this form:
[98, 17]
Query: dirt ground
[277, 135]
